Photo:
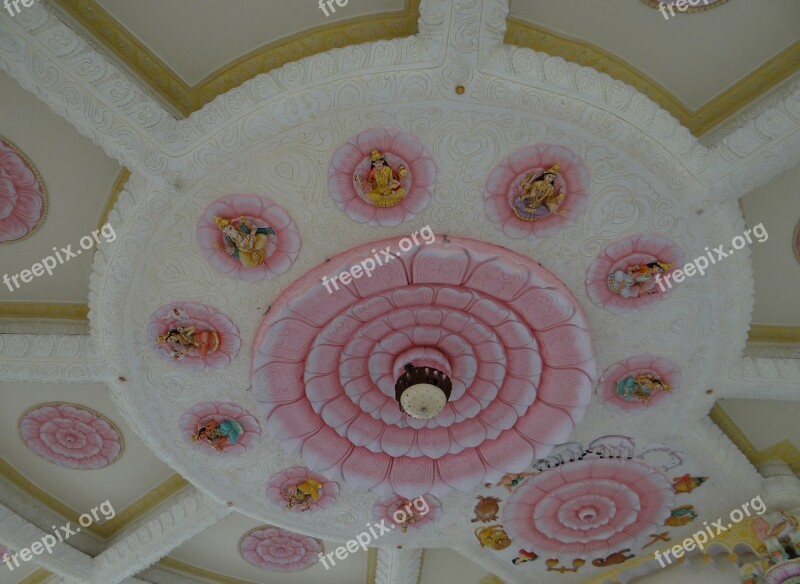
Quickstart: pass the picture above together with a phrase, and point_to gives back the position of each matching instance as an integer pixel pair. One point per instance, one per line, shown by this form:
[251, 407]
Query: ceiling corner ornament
[691, 5]
[638, 382]
[511, 337]
[220, 427]
[248, 237]
[588, 507]
[382, 177]
[279, 550]
[23, 196]
[537, 191]
[194, 336]
[300, 489]
[71, 436]
[407, 514]
[627, 275]
[796, 242]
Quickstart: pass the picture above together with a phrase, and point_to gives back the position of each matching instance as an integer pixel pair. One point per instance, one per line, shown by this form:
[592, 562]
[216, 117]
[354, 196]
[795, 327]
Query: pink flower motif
[71, 436]
[286, 480]
[512, 337]
[273, 548]
[619, 278]
[398, 148]
[503, 189]
[236, 441]
[194, 336]
[784, 573]
[616, 385]
[23, 198]
[272, 250]
[588, 508]
[398, 510]
[5, 552]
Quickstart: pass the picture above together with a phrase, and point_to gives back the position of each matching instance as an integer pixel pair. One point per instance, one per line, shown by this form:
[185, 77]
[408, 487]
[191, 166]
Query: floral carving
[220, 427]
[537, 191]
[402, 512]
[23, 197]
[591, 507]
[300, 489]
[509, 334]
[638, 382]
[382, 177]
[194, 336]
[626, 275]
[71, 436]
[273, 548]
[248, 237]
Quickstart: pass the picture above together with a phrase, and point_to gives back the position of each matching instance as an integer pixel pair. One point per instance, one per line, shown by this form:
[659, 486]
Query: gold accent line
[784, 451]
[38, 577]
[109, 529]
[769, 333]
[116, 189]
[44, 310]
[178, 566]
[372, 566]
[524, 34]
[492, 579]
[185, 99]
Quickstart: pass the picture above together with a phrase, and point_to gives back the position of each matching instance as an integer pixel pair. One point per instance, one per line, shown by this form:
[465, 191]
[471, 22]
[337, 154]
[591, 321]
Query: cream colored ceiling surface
[471, 103]
[695, 56]
[197, 37]
[78, 176]
[777, 272]
[766, 423]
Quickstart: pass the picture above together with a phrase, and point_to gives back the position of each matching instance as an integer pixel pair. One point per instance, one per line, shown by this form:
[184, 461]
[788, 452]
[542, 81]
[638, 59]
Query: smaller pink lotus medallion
[638, 382]
[301, 489]
[280, 550]
[23, 197]
[220, 427]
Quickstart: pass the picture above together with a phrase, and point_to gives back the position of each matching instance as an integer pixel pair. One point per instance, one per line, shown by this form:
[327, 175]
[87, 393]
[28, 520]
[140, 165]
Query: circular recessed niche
[511, 337]
[23, 196]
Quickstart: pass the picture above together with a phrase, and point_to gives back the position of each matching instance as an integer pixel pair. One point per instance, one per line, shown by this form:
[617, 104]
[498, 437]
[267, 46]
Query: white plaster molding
[398, 566]
[18, 533]
[152, 537]
[45, 358]
[30, 326]
[763, 378]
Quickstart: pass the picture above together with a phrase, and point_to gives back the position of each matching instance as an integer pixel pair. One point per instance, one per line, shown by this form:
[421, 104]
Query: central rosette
[507, 332]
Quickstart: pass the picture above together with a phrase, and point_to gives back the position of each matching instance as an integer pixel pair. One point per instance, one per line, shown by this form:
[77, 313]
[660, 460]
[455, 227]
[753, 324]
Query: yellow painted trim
[44, 310]
[521, 33]
[768, 333]
[116, 189]
[784, 451]
[185, 99]
[109, 529]
[492, 579]
[38, 577]
[178, 566]
[372, 566]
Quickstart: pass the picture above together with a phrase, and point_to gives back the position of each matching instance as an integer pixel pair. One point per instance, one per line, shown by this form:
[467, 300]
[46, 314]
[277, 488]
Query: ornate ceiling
[517, 213]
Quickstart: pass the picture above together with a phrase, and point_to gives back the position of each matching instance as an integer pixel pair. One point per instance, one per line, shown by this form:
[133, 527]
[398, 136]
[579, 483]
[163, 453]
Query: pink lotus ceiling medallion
[23, 197]
[300, 489]
[71, 436]
[537, 191]
[638, 382]
[194, 336]
[279, 550]
[220, 427]
[407, 513]
[627, 275]
[422, 392]
[507, 333]
[248, 237]
[796, 242]
[382, 177]
[588, 507]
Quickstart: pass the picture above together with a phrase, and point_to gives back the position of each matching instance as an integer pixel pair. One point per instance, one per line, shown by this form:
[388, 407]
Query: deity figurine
[243, 240]
[410, 513]
[637, 280]
[303, 493]
[537, 196]
[681, 516]
[642, 387]
[219, 434]
[382, 187]
[189, 341]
